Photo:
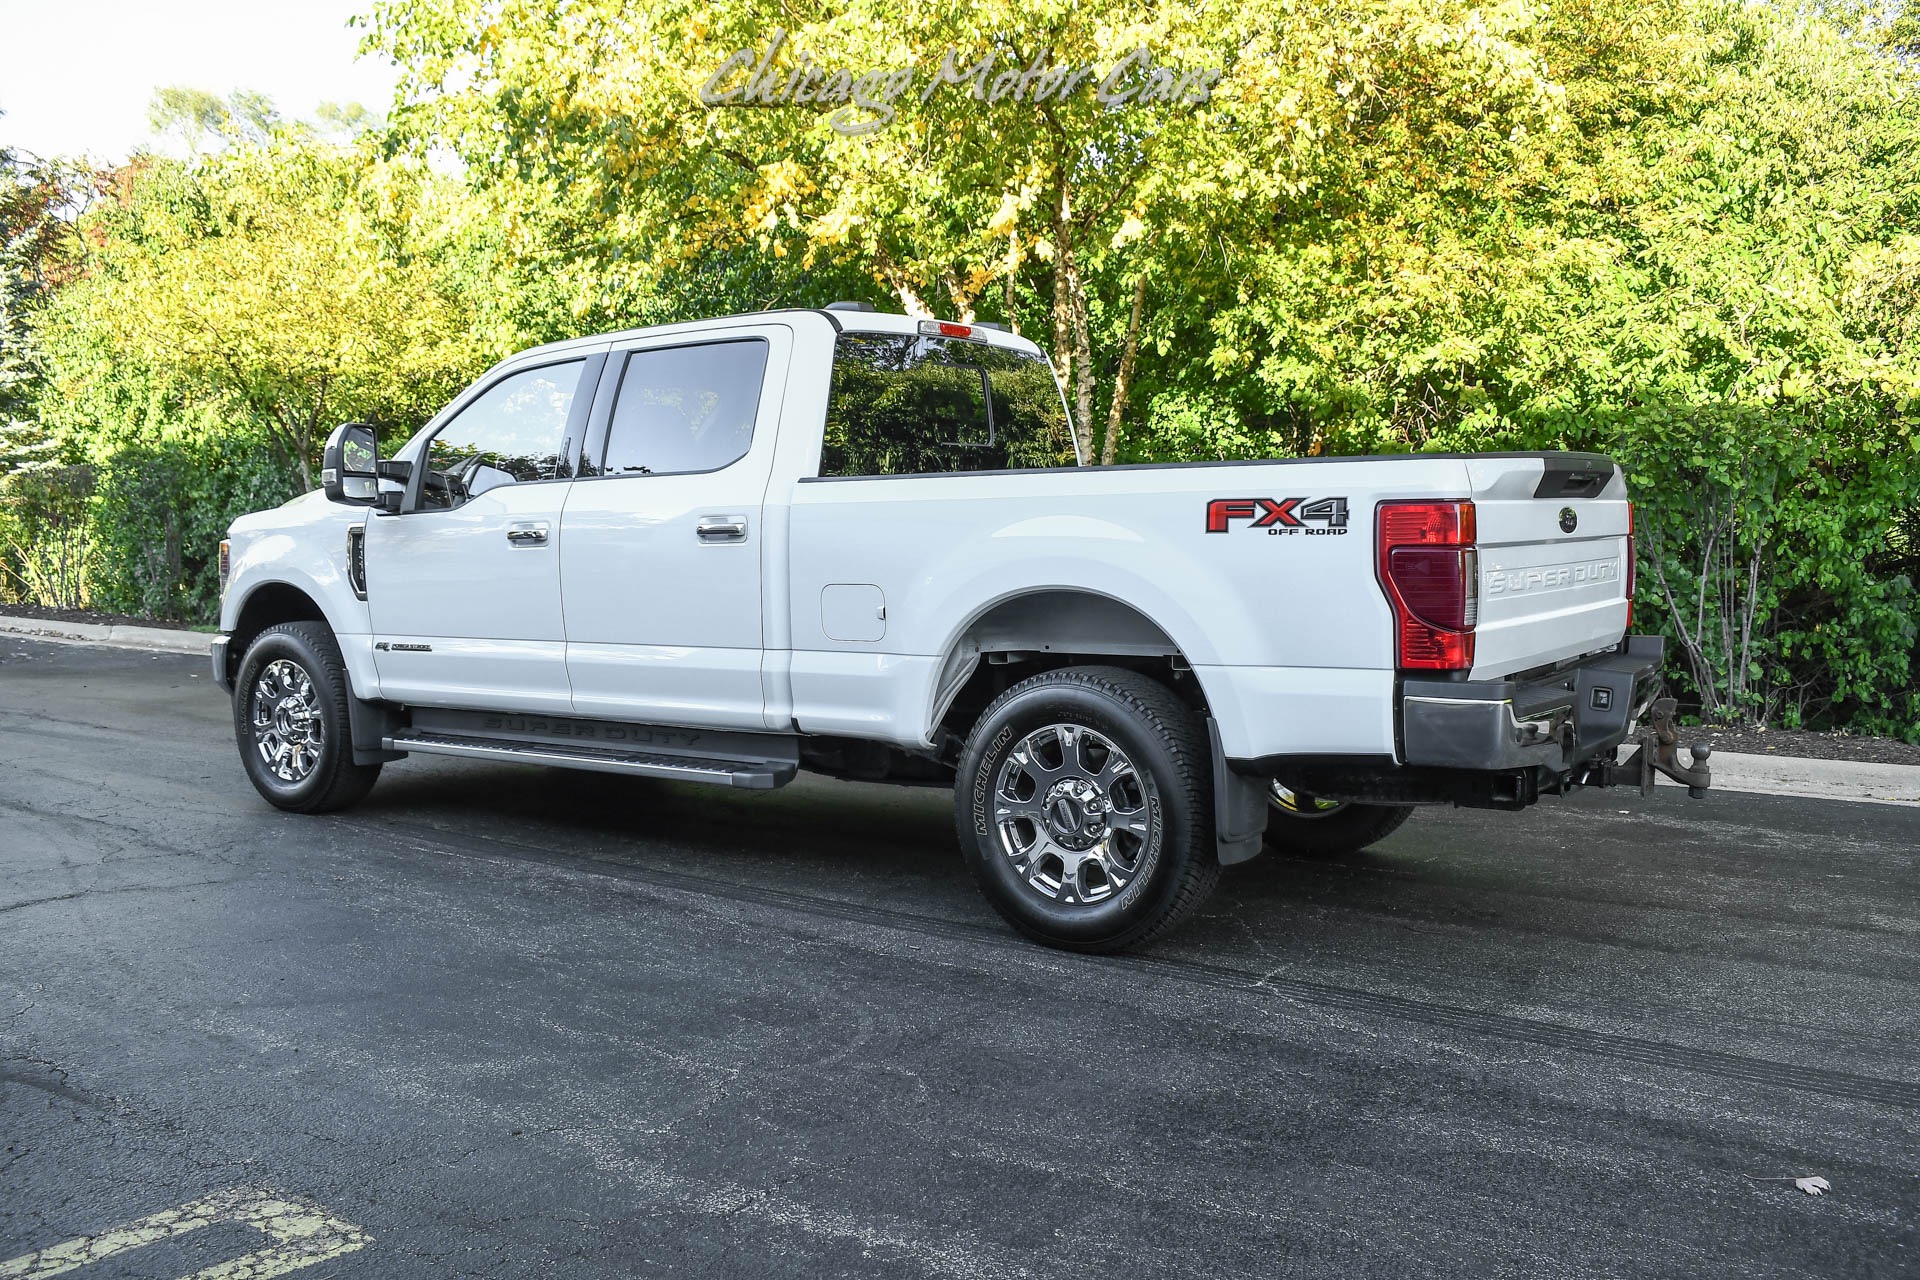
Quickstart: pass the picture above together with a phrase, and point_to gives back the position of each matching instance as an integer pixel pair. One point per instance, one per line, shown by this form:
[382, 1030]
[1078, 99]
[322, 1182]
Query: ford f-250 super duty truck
[863, 544]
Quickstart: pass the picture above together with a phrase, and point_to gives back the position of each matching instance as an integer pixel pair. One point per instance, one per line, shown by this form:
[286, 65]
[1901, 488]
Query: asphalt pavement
[521, 1022]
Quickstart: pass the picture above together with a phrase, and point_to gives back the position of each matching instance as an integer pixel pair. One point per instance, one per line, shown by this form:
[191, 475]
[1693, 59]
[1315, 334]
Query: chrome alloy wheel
[288, 730]
[1073, 814]
[1301, 805]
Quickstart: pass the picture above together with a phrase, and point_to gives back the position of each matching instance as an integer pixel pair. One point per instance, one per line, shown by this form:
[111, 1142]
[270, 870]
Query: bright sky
[78, 79]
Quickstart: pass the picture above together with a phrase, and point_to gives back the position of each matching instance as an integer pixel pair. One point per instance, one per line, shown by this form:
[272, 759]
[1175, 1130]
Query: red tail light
[1632, 554]
[1431, 573]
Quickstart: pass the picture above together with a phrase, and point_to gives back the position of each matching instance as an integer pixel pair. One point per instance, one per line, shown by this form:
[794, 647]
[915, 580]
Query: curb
[160, 639]
[1897, 784]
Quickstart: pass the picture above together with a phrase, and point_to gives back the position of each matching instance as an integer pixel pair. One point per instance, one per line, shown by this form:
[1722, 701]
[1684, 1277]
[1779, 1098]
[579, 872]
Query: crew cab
[864, 544]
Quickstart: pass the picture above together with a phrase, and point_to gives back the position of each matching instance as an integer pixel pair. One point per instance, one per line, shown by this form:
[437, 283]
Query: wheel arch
[1038, 628]
[268, 604]
[1026, 632]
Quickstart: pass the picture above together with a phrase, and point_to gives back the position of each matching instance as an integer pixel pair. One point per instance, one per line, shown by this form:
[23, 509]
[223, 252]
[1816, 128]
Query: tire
[300, 754]
[1130, 853]
[1303, 825]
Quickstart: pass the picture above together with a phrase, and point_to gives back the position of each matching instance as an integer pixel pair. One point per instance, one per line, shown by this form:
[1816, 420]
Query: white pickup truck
[863, 544]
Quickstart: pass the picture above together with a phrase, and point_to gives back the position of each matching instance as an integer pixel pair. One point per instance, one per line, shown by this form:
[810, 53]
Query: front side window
[905, 404]
[686, 409]
[515, 432]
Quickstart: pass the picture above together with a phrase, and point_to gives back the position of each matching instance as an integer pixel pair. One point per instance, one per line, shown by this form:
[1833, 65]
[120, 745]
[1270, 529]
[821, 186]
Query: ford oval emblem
[1569, 520]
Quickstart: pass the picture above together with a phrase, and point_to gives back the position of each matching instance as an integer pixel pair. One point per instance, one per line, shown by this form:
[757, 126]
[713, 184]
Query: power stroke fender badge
[387, 647]
[1569, 519]
[1279, 515]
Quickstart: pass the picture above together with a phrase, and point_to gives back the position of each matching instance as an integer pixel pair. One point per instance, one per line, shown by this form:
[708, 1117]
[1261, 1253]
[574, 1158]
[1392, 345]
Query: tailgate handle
[1563, 479]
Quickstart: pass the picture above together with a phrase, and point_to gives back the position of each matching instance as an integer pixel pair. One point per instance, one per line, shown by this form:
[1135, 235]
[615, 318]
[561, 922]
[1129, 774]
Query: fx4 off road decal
[1279, 515]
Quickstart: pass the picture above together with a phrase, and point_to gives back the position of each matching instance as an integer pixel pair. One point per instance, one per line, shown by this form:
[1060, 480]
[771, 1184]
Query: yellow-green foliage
[300, 282]
[1683, 231]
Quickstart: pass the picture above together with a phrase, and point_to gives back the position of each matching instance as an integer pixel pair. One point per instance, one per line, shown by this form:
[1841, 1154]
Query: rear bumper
[1555, 724]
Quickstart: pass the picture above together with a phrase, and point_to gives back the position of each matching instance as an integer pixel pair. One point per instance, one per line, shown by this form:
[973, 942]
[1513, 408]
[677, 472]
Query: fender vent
[357, 560]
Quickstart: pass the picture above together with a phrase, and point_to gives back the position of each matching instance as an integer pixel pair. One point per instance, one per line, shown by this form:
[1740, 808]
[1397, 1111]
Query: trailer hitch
[1659, 751]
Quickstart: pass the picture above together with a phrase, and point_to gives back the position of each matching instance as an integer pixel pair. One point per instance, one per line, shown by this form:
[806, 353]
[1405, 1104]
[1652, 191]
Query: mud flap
[371, 723]
[1239, 807]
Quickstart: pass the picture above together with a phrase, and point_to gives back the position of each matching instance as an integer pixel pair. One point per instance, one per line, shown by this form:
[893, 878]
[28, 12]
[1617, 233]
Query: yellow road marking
[303, 1234]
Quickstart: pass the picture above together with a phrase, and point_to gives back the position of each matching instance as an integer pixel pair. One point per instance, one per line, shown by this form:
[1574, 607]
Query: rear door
[1553, 549]
[662, 558]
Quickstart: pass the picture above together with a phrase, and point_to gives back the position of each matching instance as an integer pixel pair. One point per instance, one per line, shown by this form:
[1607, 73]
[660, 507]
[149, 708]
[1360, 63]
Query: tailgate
[1552, 539]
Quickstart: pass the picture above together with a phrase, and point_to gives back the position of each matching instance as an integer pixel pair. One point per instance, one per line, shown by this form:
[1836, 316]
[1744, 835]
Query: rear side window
[904, 404]
[686, 409]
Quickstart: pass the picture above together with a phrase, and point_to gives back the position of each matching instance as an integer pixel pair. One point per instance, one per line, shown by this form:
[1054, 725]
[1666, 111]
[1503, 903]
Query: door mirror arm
[393, 476]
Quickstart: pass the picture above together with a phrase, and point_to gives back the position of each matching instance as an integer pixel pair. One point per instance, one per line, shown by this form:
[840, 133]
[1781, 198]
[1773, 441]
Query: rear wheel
[1307, 824]
[290, 719]
[1084, 809]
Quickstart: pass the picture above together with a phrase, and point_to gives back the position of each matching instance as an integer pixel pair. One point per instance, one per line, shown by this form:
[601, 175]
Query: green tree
[43, 490]
[197, 116]
[301, 282]
[1707, 269]
[347, 119]
[947, 194]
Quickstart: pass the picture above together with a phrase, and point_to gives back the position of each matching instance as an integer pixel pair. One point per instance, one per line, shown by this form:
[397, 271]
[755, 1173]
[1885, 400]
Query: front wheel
[1305, 824]
[1084, 808]
[290, 717]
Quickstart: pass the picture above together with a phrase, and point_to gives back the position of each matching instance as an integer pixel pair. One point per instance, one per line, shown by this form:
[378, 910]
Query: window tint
[516, 431]
[684, 409]
[903, 404]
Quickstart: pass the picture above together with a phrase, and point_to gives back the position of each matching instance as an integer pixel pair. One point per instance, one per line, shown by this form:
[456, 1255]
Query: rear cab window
[916, 404]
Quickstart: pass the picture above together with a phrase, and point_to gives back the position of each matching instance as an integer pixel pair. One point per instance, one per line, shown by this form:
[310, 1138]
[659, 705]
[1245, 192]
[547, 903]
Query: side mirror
[349, 465]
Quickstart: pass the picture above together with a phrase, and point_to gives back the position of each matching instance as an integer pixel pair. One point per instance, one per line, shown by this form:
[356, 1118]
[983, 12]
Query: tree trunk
[1062, 324]
[1077, 325]
[1123, 381]
[1013, 267]
[291, 441]
[910, 301]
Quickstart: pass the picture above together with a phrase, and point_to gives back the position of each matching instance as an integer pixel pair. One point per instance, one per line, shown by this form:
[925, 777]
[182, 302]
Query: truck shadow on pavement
[840, 839]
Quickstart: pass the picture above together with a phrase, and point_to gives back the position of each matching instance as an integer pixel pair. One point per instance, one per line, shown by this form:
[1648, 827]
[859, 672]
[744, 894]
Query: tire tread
[1163, 714]
[347, 783]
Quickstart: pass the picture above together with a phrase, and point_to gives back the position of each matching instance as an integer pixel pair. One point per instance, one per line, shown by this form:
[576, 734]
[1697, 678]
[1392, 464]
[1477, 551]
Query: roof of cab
[842, 321]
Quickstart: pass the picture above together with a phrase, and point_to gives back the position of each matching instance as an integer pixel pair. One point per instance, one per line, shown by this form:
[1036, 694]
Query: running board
[752, 775]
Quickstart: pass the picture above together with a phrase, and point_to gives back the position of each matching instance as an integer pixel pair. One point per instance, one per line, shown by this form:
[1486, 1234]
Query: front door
[463, 585]
[662, 555]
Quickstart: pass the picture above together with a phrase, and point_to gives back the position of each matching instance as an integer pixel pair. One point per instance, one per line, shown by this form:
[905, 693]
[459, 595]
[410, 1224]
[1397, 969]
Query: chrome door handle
[528, 535]
[722, 529]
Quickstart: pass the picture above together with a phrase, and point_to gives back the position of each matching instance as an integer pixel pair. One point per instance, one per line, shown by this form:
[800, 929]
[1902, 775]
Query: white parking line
[303, 1234]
